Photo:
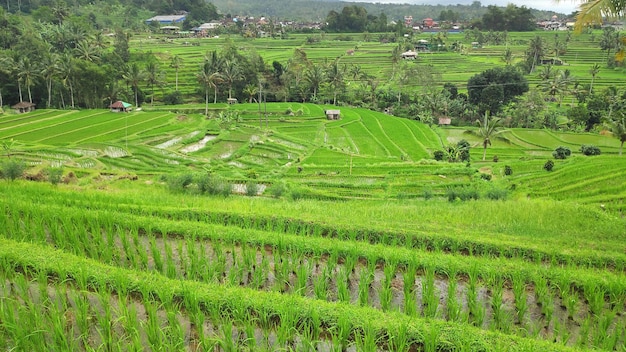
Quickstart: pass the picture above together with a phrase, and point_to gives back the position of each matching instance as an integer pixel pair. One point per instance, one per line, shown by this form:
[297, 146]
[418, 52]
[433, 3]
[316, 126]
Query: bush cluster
[589, 149]
[475, 192]
[200, 183]
[12, 169]
[561, 152]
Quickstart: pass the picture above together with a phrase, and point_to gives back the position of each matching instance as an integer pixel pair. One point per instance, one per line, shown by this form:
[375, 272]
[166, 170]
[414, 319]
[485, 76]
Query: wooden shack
[333, 114]
[23, 107]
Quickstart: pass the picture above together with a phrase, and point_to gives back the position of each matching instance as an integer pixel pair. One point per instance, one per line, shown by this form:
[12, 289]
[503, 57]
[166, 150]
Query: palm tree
[251, 90]
[28, 73]
[66, 73]
[176, 64]
[596, 12]
[231, 73]
[507, 57]
[88, 51]
[336, 78]
[594, 70]
[535, 52]
[6, 64]
[207, 79]
[49, 71]
[315, 76]
[487, 129]
[153, 77]
[133, 76]
[618, 128]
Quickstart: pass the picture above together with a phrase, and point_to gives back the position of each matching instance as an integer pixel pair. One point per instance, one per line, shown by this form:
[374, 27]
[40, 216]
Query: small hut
[120, 106]
[445, 121]
[23, 107]
[231, 101]
[409, 55]
[333, 114]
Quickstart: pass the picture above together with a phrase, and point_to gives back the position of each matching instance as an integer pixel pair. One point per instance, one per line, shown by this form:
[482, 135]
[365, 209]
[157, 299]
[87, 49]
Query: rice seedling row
[281, 313]
[232, 265]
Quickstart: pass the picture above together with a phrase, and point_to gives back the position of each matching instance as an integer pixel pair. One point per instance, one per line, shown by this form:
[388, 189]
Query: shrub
[179, 182]
[428, 193]
[213, 185]
[495, 193]
[495, 159]
[55, 174]
[252, 188]
[439, 155]
[174, 98]
[463, 194]
[486, 177]
[508, 171]
[13, 169]
[589, 149]
[277, 189]
[561, 152]
[549, 165]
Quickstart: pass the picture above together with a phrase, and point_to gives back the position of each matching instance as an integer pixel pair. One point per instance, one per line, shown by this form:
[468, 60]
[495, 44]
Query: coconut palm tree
[49, 71]
[487, 129]
[67, 66]
[133, 76]
[315, 76]
[230, 74]
[153, 77]
[618, 128]
[176, 64]
[27, 72]
[594, 70]
[251, 90]
[207, 78]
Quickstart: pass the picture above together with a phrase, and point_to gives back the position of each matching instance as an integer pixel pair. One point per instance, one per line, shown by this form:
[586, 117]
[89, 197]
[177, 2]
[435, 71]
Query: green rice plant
[594, 296]
[583, 333]
[476, 309]
[499, 314]
[174, 334]
[340, 332]
[152, 325]
[386, 292]
[343, 291]
[320, 284]
[429, 293]
[366, 278]
[410, 299]
[105, 320]
[519, 294]
[170, 265]
[287, 329]
[366, 338]
[431, 340]
[453, 306]
[303, 272]
[260, 273]
[400, 340]
[82, 316]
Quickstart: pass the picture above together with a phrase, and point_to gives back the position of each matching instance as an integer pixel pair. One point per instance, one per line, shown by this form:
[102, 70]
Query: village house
[23, 107]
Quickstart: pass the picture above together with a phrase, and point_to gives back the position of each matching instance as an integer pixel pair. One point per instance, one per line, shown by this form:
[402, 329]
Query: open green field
[363, 251]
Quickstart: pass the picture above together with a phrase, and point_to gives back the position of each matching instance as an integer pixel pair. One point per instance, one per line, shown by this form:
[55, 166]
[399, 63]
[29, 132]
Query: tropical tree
[153, 77]
[535, 52]
[88, 51]
[27, 72]
[208, 78]
[66, 73]
[507, 57]
[251, 90]
[176, 64]
[315, 76]
[487, 129]
[618, 128]
[593, 71]
[133, 77]
[231, 72]
[49, 71]
[335, 76]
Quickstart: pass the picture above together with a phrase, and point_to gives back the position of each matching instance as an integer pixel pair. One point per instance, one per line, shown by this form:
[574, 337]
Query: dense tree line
[512, 18]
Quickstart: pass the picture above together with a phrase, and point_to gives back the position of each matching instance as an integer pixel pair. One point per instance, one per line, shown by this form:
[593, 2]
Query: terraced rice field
[115, 269]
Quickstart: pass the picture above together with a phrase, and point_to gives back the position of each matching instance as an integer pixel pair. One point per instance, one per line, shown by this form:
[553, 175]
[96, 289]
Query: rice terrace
[310, 191]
